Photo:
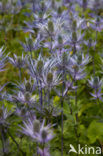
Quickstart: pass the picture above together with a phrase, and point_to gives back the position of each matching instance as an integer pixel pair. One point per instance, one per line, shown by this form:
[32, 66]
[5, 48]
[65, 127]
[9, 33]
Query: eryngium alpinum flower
[37, 130]
[26, 86]
[95, 83]
[24, 98]
[18, 62]
[4, 114]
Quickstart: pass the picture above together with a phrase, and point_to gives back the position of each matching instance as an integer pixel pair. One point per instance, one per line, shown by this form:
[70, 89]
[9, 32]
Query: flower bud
[95, 80]
[30, 43]
[49, 78]
[28, 87]
[27, 96]
[19, 62]
[39, 66]
[50, 26]
[59, 10]
[74, 25]
[44, 134]
[64, 58]
[42, 5]
[74, 36]
[60, 40]
[53, 3]
[79, 61]
[36, 126]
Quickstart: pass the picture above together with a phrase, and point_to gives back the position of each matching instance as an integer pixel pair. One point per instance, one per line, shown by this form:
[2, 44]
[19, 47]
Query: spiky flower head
[95, 82]
[44, 134]
[39, 66]
[4, 114]
[60, 10]
[27, 96]
[74, 25]
[60, 39]
[74, 36]
[19, 61]
[36, 126]
[50, 26]
[35, 130]
[64, 58]
[28, 87]
[79, 60]
[42, 5]
[49, 78]
[30, 43]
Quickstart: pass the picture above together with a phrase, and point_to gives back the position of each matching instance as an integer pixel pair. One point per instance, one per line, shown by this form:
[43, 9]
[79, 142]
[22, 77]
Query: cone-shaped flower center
[19, 61]
[74, 36]
[44, 134]
[60, 40]
[40, 66]
[59, 10]
[36, 126]
[49, 78]
[28, 87]
[50, 26]
[27, 96]
[74, 25]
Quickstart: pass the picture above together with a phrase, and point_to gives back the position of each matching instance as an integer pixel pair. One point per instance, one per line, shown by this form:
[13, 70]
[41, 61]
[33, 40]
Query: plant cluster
[51, 63]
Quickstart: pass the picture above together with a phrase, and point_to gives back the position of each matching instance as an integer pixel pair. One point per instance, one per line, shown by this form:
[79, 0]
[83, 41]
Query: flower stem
[18, 147]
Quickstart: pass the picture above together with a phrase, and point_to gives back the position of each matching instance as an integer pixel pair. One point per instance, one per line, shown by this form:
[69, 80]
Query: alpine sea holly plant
[51, 68]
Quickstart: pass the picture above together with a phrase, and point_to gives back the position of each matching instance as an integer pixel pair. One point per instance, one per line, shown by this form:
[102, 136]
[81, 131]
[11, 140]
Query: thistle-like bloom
[18, 62]
[40, 15]
[3, 59]
[36, 67]
[24, 98]
[50, 79]
[80, 60]
[45, 134]
[40, 68]
[28, 128]
[38, 131]
[26, 86]
[96, 84]
[4, 114]
[90, 43]
[75, 38]
[63, 61]
[74, 23]
[51, 29]
[97, 95]
[31, 45]
[77, 67]
[58, 43]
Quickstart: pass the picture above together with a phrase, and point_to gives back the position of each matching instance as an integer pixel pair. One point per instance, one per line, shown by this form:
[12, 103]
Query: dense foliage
[51, 68]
